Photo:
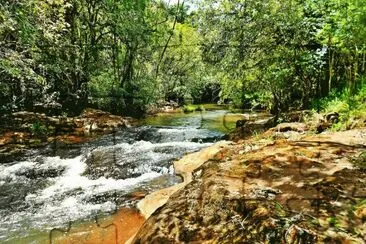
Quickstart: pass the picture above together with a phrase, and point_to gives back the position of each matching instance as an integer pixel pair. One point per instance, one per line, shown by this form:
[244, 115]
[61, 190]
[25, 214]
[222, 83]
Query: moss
[189, 108]
[192, 108]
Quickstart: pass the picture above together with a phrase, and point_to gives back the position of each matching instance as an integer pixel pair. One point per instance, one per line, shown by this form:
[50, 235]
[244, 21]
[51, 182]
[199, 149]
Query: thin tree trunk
[169, 38]
[363, 61]
[331, 63]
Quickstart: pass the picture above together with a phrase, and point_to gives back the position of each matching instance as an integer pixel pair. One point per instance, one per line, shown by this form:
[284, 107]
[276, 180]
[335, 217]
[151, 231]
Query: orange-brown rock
[274, 192]
[116, 229]
[69, 129]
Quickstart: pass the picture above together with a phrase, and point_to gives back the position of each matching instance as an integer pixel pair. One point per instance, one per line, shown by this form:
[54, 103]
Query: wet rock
[10, 152]
[31, 127]
[8, 138]
[93, 113]
[207, 139]
[50, 107]
[100, 121]
[322, 126]
[35, 142]
[163, 107]
[42, 173]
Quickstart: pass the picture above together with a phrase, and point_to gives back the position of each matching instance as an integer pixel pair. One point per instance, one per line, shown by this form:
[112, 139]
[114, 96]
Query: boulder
[240, 123]
[284, 127]
[326, 121]
[185, 167]
[245, 129]
[332, 117]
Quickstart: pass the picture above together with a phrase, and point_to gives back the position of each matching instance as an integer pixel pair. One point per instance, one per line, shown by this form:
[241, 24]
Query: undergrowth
[350, 107]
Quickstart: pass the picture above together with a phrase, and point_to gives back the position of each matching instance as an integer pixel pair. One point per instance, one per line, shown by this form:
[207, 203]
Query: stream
[53, 186]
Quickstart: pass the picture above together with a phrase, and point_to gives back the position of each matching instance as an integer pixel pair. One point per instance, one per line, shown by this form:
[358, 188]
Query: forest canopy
[126, 55]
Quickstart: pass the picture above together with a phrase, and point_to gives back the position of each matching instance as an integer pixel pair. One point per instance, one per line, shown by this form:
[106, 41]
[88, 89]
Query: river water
[54, 186]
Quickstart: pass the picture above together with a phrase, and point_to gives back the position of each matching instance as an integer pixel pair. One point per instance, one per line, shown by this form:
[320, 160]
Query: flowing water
[54, 186]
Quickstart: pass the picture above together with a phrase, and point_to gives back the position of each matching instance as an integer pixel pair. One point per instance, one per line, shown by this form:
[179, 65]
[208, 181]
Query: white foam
[146, 146]
[178, 130]
[9, 171]
[73, 178]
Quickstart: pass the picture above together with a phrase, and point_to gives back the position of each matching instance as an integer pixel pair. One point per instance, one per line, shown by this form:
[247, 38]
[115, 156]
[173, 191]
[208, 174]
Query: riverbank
[281, 186]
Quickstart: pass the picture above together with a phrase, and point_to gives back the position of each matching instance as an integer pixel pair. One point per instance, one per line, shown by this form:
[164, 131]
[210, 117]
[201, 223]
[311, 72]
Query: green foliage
[122, 56]
[200, 108]
[38, 129]
[189, 108]
[350, 107]
[115, 55]
[333, 222]
[294, 50]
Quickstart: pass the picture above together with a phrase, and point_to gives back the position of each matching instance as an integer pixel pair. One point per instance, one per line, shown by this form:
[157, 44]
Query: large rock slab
[279, 192]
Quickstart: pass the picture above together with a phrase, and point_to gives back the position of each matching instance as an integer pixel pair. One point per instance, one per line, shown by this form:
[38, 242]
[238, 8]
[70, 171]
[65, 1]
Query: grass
[350, 107]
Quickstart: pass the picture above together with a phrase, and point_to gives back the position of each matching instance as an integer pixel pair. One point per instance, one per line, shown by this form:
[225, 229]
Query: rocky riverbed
[61, 187]
[285, 184]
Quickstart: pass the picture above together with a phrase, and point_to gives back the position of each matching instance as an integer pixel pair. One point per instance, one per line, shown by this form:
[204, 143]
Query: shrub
[39, 129]
[200, 108]
[350, 107]
[189, 108]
